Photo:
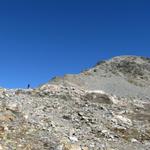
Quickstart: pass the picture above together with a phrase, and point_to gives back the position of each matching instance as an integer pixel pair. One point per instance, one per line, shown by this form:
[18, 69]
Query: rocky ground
[69, 114]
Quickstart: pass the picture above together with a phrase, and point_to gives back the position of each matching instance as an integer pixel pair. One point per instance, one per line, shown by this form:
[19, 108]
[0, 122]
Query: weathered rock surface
[66, 116]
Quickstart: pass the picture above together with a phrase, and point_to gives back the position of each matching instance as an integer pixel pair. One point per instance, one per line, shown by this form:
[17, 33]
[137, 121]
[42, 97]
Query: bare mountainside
[104, 108]
[123, 76]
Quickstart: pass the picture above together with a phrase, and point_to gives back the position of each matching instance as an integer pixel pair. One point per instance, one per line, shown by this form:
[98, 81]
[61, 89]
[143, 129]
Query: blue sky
[40, 39]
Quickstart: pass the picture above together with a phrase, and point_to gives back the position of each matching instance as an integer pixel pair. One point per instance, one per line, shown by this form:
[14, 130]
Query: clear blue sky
[40, 39]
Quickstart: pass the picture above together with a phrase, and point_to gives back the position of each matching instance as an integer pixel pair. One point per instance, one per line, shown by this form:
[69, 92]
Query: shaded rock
[6, 117]
[98, 97]
[2, 129]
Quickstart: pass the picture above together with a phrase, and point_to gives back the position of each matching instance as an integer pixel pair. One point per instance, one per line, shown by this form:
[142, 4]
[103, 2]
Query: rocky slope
[104, 108]
[122, 76]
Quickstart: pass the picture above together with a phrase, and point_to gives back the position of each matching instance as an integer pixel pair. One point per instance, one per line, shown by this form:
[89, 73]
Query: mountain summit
[106, 107]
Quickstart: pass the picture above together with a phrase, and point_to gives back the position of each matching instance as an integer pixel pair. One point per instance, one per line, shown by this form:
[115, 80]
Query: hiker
[28, 86]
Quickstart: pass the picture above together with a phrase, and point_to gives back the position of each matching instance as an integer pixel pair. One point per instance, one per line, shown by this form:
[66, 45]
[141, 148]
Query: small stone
[73, 139]
[134, 140]
[2, 96]
[104, 131]
[123, 120]
[59, 147]
[13, 107]
[68, 146]
[72, 136]
[26, 116]
[1, 148]
[92, 145]
[67, 117]
[7, 95]
[85, 148]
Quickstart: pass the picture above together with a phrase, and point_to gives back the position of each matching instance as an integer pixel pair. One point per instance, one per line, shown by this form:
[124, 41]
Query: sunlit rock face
[104, 108]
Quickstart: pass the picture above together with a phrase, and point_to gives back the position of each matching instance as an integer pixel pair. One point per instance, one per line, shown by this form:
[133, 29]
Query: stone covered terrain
[104, 108]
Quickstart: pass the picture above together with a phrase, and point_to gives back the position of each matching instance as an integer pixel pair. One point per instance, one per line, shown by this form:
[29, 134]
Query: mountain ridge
[126, 70]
